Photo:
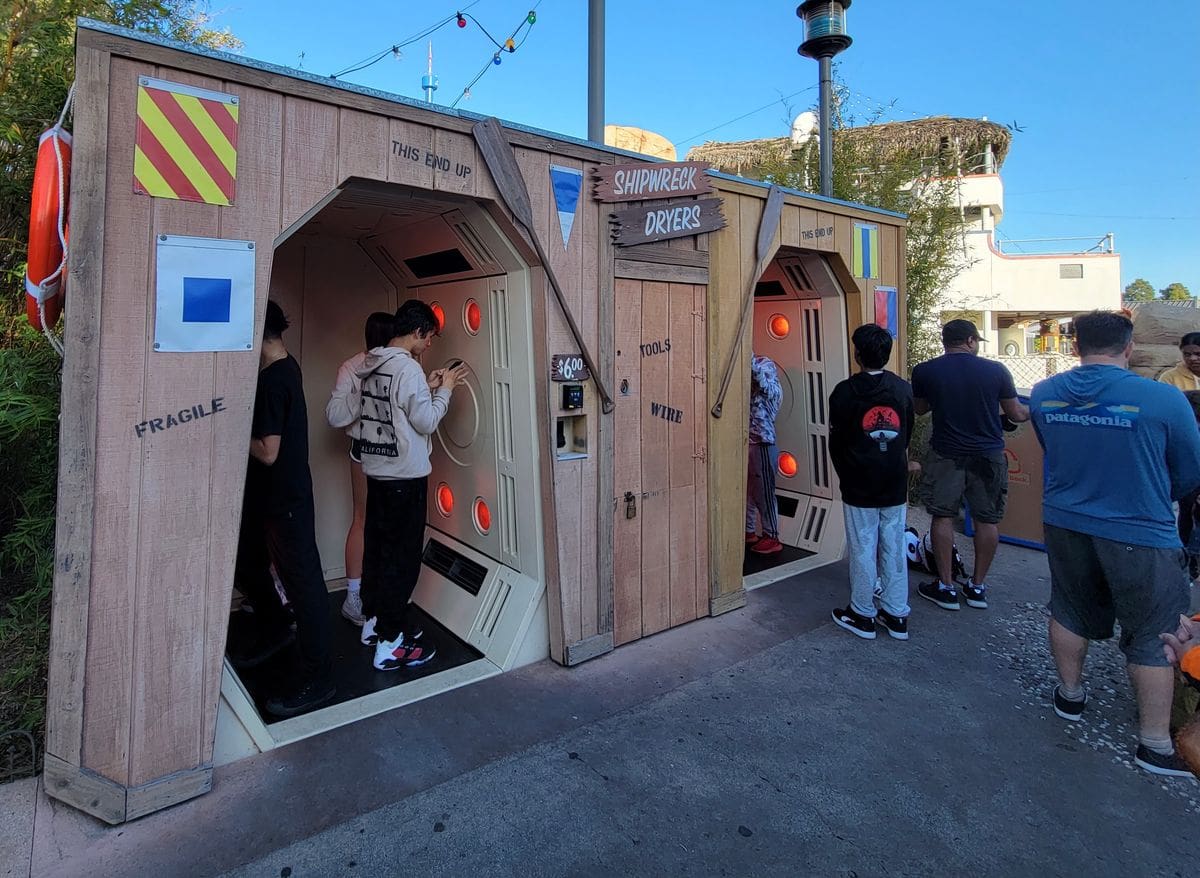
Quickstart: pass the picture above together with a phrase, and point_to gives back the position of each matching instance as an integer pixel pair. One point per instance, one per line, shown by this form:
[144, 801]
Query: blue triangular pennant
[567, 183]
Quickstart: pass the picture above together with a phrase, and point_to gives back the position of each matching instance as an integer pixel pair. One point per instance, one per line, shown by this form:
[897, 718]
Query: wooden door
[660, 484]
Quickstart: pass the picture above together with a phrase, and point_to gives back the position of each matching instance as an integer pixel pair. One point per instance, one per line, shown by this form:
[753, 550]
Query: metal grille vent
[508, 516]
[471, 240]
[504, 428]
[500, 352]
[459, 569]
[812, 529]
[819, 462]
[812, 334]
[794, 269]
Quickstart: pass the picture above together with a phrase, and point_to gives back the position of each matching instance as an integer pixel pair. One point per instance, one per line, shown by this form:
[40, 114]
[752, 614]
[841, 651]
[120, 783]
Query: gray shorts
[982, 479]
[1095, 582]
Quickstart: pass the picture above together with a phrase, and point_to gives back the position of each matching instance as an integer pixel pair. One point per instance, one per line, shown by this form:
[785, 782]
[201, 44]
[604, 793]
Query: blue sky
[1105, 91]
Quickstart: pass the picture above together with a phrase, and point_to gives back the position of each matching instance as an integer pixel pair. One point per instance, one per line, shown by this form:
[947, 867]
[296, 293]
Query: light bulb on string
[532, 17]
[510, 45]
[462, 22]
[496, 59]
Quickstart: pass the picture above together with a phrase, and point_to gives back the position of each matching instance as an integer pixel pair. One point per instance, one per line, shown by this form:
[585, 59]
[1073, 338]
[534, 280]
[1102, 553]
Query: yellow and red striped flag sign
[186, 146]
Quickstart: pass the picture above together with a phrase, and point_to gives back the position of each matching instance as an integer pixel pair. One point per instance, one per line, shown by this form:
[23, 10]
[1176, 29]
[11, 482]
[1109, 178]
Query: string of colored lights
[459, 16]
[510, 45]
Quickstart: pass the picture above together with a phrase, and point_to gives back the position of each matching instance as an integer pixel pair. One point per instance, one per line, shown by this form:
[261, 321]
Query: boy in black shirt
[870, 425]
[278, 525]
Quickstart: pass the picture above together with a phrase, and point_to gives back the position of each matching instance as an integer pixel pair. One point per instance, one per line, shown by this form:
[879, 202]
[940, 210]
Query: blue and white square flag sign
[204, 300]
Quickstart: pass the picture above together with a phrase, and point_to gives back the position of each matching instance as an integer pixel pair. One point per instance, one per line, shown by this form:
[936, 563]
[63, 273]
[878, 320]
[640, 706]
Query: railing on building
[1105, 244]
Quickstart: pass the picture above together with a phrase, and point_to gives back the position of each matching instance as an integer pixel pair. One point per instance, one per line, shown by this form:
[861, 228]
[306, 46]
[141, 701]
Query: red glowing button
[779, 326]
[444, 499]
[440, 315]
[787, 465]
[472, 316]
[483, 516]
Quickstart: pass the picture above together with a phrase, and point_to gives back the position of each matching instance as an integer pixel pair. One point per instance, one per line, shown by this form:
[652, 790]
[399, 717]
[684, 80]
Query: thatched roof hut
[962, 143]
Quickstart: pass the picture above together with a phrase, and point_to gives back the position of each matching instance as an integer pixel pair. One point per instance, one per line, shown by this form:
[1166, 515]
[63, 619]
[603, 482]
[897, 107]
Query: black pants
[392, 542]
[289, 539]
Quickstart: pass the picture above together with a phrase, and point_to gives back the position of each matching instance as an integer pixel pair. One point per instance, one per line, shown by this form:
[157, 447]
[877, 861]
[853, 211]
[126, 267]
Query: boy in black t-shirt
[870, 425]
[278, 525]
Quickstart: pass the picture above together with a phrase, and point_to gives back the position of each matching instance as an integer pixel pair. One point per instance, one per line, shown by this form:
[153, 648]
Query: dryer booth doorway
[366, 247]
[800, 324]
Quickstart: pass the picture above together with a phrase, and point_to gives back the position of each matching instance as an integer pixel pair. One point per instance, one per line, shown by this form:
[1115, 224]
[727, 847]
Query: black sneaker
[861, 626]
[1170, 765]
[245, 656]
[309, 697]
[896, 626]
[944, 596]
[976, 595]
[1072, 711]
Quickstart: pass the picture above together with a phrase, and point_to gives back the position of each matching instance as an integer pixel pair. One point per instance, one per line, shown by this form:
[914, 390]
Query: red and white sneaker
[767, 546]
[401, 653]
[751, 538]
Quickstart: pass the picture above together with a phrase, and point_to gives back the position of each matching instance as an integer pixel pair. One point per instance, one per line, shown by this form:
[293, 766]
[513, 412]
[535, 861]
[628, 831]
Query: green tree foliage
[1176, 292]
[37, 61]
[912, 184]
[1139, 291]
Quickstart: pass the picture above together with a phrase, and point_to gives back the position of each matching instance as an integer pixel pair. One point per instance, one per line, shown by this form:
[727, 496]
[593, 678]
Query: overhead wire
[375, 58]
[778, 100]
[510, 45]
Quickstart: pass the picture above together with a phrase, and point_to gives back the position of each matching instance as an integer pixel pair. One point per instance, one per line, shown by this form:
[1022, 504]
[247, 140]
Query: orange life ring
[45, 275]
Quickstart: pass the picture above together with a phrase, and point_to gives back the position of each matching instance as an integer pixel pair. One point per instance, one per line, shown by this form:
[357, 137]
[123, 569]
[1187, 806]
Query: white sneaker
[399, 653]
[352, 608]
[368, 636]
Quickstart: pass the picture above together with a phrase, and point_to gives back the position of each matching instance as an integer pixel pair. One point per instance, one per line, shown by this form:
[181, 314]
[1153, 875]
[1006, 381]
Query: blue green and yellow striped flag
[866, 250]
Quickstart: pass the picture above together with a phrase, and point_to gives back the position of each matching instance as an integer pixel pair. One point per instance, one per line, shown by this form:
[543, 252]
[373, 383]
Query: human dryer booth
[595, 296]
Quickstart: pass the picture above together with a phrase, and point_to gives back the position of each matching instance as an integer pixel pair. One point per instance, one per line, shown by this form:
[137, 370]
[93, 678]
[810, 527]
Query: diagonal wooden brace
[498, 155]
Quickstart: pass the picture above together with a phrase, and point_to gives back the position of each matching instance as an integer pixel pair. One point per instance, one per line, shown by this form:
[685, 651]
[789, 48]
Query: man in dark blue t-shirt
[966, 457]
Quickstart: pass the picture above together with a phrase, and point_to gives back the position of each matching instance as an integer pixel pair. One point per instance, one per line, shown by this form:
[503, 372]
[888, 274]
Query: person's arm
[265, 450]
[1015, 410]
[921, 404]
[345, 403]
[423, 408]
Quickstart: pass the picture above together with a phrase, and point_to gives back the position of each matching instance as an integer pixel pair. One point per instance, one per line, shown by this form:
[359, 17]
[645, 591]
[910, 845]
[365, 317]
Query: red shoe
[767, 546]
[751, 538]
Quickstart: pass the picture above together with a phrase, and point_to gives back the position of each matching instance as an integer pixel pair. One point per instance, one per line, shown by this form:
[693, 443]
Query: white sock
[352, 585]
[1162, 746]
[1075, 694]
[971, 582]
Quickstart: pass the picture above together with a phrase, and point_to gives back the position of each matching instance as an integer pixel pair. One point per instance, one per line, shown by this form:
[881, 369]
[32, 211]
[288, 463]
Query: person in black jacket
[870, 425]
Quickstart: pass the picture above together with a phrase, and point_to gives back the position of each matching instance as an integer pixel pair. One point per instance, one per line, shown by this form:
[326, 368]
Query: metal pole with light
[824, 36]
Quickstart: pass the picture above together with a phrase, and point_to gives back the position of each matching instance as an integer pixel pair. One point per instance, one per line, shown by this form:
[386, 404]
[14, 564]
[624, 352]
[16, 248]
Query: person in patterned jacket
[766, 396]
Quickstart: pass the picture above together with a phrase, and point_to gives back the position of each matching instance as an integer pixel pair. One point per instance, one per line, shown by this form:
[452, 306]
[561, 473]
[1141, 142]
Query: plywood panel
[789, 225]
[234, 378]
[627, 533]
[77, 427]
[700, 463]
[606, 345]
[122, 331]
[682, 456]
[362, 145]
[410, 144]
[462, 165]
[173, 538]
[309, 156]
[732, 250]
[656, 480]
[584, 237]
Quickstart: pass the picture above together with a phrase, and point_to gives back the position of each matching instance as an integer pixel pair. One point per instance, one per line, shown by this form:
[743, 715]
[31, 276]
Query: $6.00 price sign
[568, 367]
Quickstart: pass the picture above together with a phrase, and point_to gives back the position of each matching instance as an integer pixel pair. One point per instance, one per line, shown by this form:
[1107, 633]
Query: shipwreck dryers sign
[643, 224]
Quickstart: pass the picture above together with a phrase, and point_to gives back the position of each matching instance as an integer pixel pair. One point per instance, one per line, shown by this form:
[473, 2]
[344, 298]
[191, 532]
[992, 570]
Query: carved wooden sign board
[643, 181]
[568, 367]
[646, 224]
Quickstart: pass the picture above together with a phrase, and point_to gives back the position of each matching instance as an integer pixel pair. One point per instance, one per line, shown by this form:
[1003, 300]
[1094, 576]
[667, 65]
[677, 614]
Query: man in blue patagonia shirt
[1119, 448]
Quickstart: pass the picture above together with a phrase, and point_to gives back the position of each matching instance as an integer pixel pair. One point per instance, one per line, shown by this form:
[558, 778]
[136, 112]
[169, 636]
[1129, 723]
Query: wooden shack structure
[573, 501]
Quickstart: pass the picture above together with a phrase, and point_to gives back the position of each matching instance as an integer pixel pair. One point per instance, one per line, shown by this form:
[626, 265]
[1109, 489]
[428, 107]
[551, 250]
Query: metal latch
[630, 505]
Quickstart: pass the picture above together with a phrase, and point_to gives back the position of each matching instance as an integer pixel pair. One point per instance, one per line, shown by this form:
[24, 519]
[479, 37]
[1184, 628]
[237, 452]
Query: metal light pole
[824, 36]
[596, 71]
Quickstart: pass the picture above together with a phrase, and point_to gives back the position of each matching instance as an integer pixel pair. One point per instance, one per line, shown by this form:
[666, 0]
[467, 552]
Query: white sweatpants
[875, 544]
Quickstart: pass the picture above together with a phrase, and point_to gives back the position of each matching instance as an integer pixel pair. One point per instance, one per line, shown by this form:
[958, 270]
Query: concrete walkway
[764, 742]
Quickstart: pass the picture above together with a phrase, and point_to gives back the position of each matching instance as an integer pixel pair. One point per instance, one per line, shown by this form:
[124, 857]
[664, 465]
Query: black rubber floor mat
[353, 671]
